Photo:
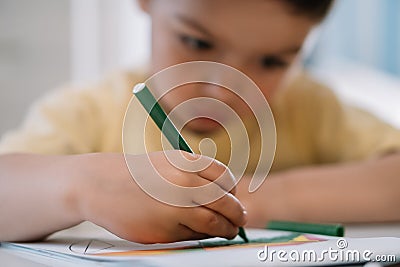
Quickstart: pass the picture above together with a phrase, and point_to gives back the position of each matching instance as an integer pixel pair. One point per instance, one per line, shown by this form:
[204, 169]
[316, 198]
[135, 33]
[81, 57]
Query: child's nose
[217, 92]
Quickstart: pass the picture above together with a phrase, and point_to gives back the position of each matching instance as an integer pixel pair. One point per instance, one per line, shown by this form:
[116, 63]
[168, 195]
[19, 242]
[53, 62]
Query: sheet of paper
[212, 252]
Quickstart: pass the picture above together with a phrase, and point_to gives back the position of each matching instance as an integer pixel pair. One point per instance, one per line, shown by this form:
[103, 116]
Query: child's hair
[316, 9]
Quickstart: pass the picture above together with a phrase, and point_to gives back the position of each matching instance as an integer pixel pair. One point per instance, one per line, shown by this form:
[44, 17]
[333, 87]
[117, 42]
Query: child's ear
[144, 5]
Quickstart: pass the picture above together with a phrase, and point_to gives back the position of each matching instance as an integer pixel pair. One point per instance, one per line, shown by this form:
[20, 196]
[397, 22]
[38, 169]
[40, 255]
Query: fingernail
[245, 216]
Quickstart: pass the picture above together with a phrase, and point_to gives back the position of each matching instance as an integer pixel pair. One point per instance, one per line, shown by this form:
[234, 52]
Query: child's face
[258, 37]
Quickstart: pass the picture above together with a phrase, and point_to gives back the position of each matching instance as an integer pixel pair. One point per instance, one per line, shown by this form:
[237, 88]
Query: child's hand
[111, 198]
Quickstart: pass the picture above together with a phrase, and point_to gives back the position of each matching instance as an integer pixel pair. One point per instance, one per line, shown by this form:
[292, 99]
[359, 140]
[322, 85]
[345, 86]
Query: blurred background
[45, 44]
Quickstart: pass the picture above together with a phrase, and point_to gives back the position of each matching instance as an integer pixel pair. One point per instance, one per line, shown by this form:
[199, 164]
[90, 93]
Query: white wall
[47, 43]
[106, 35]
[34, 54]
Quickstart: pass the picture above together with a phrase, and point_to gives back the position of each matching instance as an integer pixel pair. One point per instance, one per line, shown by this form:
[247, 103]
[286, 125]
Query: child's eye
[271, 62]
[195, 43]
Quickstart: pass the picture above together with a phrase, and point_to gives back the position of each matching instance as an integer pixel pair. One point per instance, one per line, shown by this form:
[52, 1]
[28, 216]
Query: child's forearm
[37, 195]
[352, 192]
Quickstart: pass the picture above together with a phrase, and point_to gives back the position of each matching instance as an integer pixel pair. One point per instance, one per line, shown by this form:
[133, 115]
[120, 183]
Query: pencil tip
[242, 234]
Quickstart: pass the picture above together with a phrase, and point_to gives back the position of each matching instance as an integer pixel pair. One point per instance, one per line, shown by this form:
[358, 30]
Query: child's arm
[349, 192]
[42, 194]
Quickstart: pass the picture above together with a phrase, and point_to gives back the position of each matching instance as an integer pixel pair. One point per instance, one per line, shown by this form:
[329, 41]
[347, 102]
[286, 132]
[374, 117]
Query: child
[333, 163]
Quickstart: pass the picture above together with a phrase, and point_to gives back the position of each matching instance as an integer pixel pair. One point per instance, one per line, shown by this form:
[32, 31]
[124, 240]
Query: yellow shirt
[313, 127]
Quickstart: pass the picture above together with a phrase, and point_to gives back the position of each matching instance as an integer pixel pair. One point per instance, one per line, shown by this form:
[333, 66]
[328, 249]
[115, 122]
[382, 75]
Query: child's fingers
[207, 192]
[186, 233]
[220, 174]
[206, 167]
[205, 221]
[209, 168]
[229, 207]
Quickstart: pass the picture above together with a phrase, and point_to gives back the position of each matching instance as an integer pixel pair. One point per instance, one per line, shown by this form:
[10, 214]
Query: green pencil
[166, 126]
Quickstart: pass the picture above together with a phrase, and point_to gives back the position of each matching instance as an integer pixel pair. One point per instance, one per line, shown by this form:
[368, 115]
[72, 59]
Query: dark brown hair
[316, 9]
